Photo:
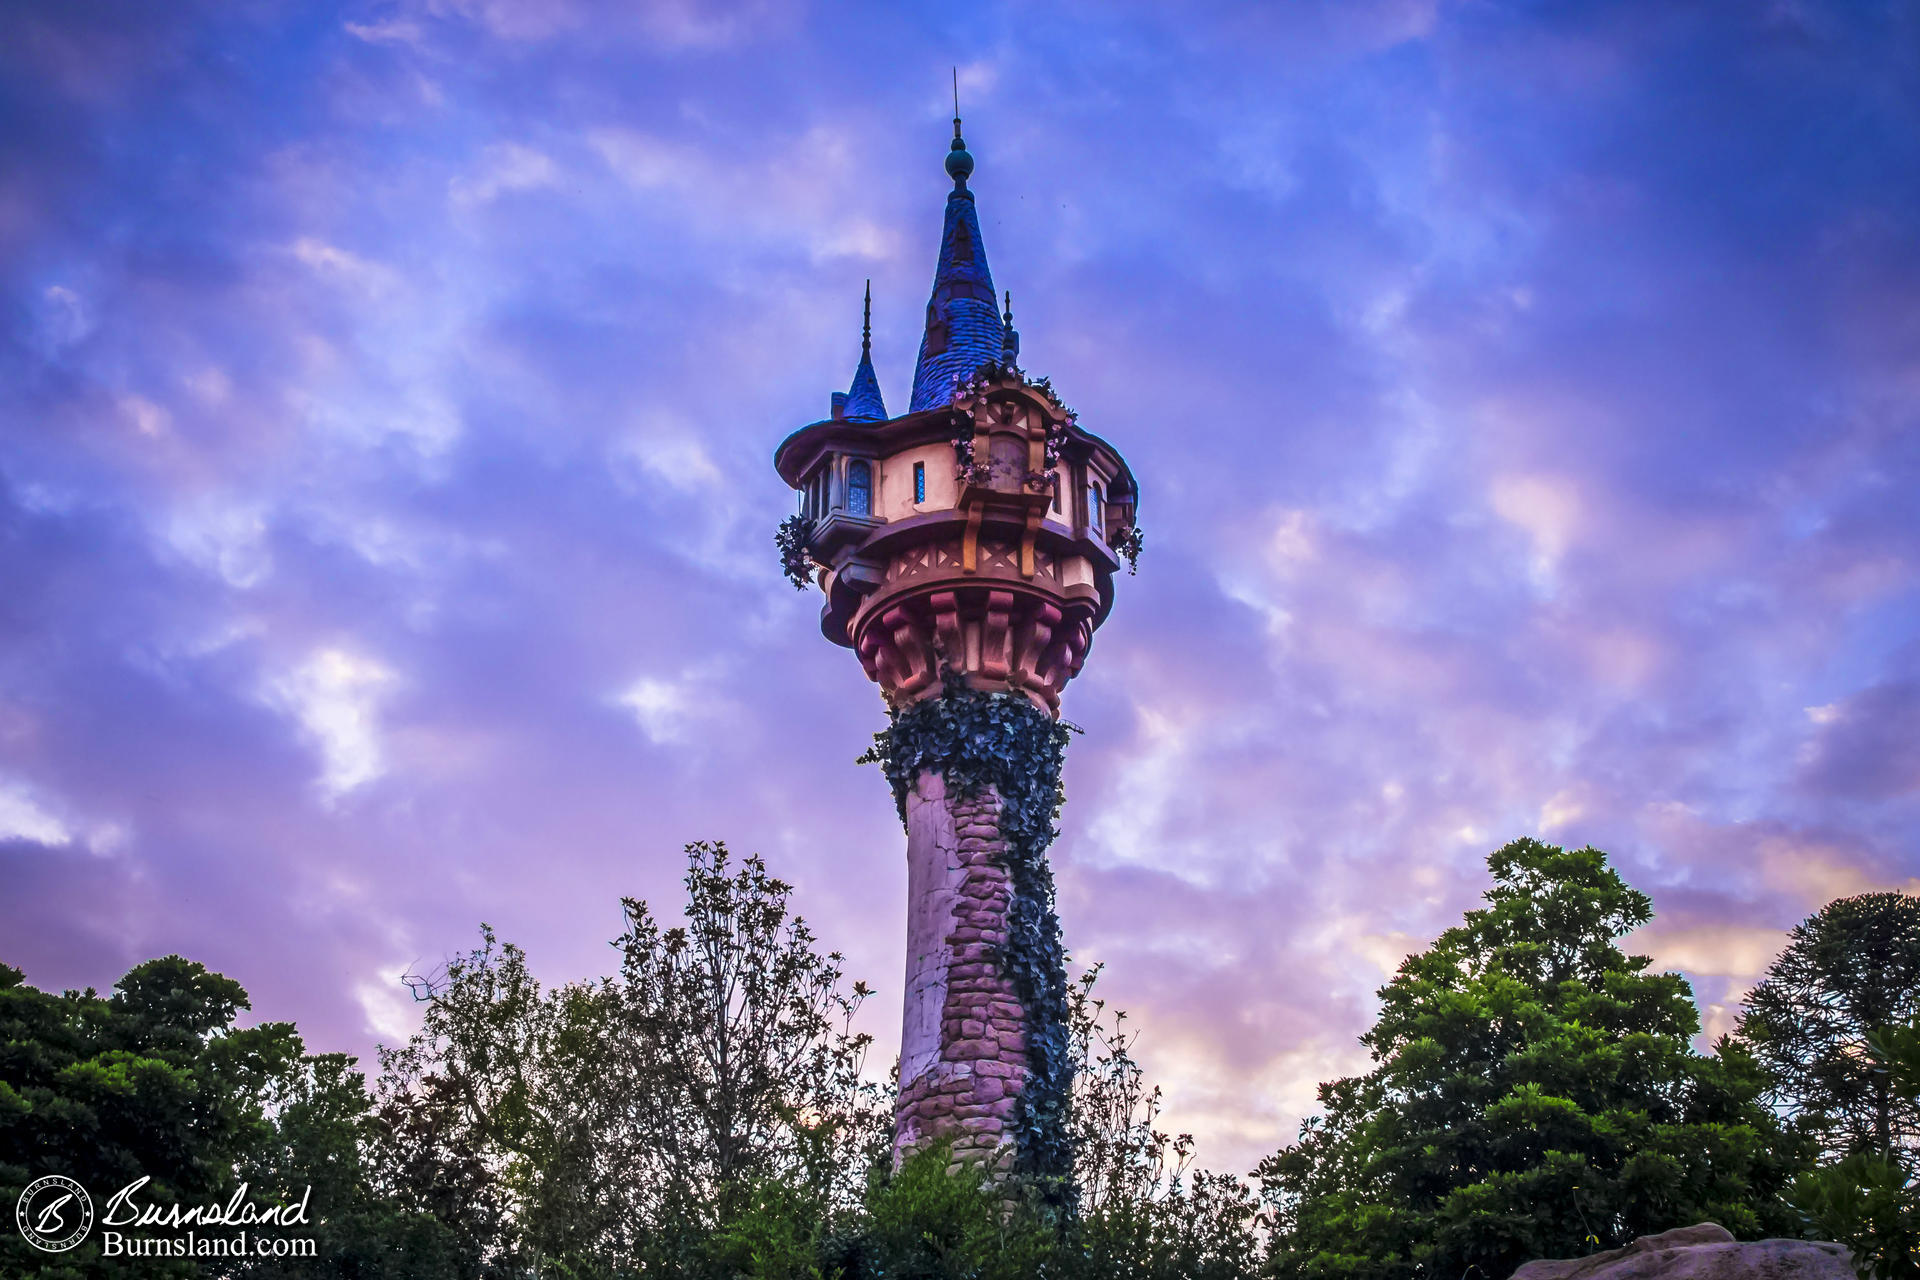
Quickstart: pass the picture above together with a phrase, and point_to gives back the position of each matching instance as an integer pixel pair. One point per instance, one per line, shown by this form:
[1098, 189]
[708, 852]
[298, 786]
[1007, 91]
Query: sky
[1525, 400]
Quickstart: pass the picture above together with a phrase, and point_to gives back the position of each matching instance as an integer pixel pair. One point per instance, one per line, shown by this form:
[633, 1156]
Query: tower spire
[1009, 336]
[964, 329]
[959, 159]
[863, 403]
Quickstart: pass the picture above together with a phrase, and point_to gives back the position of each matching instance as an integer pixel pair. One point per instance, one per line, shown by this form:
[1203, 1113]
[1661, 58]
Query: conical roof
[964, 328]
[863, 398]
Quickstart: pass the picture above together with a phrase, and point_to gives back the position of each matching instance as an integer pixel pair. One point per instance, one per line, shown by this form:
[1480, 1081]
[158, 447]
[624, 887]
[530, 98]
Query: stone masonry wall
[963, 1045]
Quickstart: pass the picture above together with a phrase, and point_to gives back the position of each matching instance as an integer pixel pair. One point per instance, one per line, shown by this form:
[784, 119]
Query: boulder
[1704, 1252]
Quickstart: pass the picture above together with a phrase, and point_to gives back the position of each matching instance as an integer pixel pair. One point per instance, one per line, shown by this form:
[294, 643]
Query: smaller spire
[863, 403]
[1009, 336]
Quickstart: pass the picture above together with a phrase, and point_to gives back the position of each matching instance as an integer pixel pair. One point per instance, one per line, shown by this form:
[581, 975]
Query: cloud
[336, 695]
[1866, 746]
[229, 539]
[505, 167]
[23, 818]
[1545, 508]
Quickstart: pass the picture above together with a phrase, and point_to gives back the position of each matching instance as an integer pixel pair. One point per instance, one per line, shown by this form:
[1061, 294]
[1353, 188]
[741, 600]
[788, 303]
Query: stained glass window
[919, 482]
[859, 487]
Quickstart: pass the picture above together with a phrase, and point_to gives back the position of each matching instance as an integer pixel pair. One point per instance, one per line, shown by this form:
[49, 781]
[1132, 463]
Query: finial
[866, 324]
[1008, 318]
[959, 162]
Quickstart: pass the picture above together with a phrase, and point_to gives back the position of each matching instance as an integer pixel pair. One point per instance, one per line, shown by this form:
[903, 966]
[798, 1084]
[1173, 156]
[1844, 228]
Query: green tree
[151, 1081]
[517, 1076]
[1852, 1080]
[383, 1204]
[1143, 1209]
[156, 1081]
[1850, 970]
[1534, 1095]
[711, 1093]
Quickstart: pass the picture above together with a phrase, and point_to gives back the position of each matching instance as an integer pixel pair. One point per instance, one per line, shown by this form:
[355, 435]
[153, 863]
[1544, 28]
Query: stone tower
[967, 551]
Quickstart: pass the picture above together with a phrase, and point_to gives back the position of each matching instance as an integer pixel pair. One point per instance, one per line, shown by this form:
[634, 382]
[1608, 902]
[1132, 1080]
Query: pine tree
[1849, 971]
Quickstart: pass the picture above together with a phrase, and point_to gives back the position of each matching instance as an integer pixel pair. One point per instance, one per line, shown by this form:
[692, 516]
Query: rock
[1704, 1252]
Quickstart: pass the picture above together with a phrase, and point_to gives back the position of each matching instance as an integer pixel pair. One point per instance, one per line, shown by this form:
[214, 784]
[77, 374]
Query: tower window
[1096, 511]
[1053, 487]
[859, 487]
[936, 340]
[919, 482]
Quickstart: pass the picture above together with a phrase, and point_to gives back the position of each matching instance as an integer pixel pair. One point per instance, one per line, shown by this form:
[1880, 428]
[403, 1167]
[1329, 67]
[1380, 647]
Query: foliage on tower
[796, 550]
[1001, 740]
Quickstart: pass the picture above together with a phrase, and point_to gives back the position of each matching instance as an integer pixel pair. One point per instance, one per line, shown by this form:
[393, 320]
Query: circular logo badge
[54, 1213]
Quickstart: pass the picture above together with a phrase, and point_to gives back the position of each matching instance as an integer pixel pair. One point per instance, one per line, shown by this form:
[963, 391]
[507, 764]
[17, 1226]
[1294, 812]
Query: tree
[376, 1212]
[1535, 1095]
[152, 1081]
[1143, 1209]
[634, 1122]
[739, 1062]
[1850, 970]
[156, 1081]
[514, 1081]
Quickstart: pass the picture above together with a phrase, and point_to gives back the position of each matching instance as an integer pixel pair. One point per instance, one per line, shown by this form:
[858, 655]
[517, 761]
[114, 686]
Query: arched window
[1053, 487]
[859, 487]
[919, 482]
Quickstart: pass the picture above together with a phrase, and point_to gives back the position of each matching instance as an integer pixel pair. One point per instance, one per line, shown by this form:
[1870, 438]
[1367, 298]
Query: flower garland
[969, 469]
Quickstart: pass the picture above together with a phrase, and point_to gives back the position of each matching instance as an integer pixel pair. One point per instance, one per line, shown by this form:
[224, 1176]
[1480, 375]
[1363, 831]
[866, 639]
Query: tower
[967, 551]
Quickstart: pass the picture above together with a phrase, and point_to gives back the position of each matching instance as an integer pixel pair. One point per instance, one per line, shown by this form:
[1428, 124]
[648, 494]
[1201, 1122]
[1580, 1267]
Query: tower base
[963, 1051]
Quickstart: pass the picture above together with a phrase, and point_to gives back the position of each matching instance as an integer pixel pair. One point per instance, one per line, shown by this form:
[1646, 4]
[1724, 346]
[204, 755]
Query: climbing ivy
[1002, 740]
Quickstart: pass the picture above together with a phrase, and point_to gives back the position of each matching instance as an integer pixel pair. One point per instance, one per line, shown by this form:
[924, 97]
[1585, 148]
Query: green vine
[796, 550]
[974, 740]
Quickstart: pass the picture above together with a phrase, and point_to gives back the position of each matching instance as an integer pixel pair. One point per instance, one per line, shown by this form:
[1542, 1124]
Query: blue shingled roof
[863, 400]
[964, 329]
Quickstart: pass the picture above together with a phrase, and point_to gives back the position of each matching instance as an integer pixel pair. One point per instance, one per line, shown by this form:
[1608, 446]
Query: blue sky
[1525, 399]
